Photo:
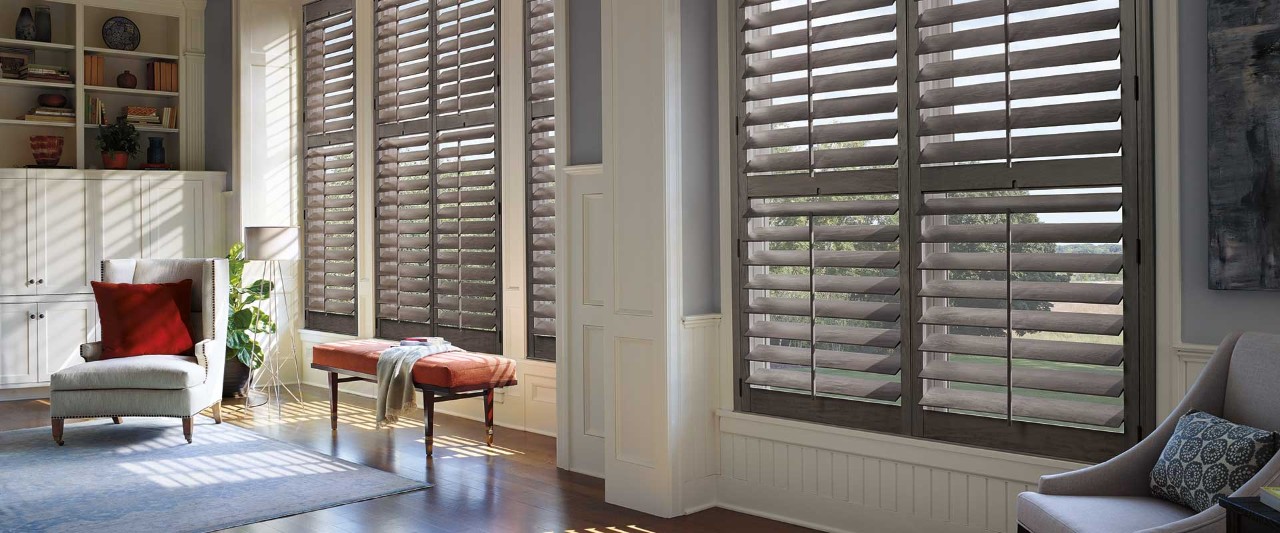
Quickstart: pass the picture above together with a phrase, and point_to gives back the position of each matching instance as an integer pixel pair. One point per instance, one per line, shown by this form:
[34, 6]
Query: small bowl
[51, 100]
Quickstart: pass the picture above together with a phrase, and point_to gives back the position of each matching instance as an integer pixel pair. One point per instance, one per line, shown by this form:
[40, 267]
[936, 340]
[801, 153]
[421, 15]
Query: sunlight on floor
[293, 413]
[453, 447]
[232, 468]
[608, 529]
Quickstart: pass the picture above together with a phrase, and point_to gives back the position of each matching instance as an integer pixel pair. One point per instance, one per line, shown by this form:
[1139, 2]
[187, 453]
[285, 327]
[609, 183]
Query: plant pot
[115, 160]
[235, 379]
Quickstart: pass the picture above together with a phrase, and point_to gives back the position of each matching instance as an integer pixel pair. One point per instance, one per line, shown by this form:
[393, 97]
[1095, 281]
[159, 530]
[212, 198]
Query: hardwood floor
[512, 487]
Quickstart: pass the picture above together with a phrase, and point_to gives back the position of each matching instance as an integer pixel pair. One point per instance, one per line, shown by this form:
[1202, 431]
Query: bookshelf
[168, 28]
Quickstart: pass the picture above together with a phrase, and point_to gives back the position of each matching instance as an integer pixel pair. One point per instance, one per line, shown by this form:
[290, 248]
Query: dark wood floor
[514, 486]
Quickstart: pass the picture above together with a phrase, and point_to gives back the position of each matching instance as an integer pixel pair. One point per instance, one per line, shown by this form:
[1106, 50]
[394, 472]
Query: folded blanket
[395, 379]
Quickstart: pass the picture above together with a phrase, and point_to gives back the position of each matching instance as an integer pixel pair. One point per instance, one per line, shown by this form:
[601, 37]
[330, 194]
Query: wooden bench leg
[117, 420]
[57, 430]
[429, 410]
[488, 416]
[333, 401]
[186, 428]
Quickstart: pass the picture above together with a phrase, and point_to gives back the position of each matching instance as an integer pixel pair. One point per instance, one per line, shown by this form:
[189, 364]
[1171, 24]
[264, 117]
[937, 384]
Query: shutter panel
[541, 146]
[1018, 103]
[437, 208]
[818, 238]
[329, 196]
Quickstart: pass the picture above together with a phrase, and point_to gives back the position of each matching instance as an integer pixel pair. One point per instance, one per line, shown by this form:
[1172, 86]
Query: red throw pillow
[144, 318]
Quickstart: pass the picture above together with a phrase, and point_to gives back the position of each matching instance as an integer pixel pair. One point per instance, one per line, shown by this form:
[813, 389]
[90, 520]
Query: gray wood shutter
[1003, 135]
[329, 198]
[541, 146]
[437, 187]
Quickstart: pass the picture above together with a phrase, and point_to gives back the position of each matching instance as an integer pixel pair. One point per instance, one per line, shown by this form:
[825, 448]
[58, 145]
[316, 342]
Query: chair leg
[429, 410]
[333, 401]
[217, 412]
[117, 420]
[57, 430]
[186, 428]
[488, 416]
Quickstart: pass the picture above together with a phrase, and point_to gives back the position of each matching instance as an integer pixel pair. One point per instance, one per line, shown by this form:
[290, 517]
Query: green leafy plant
[247, 320]
[119, 137]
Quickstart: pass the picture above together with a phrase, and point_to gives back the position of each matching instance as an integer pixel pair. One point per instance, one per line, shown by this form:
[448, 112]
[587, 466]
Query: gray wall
[699, 157]
[217, 87]
[586, 128]
[1207, 314]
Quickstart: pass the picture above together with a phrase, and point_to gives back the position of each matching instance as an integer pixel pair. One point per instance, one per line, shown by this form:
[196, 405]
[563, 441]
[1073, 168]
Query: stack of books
[44, 73]
[93, 70]
[165, 117]
[162, 76]
[50, 114]
[97, 111]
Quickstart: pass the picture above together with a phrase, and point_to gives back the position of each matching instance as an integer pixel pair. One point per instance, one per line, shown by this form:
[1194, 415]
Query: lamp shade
[271, 243]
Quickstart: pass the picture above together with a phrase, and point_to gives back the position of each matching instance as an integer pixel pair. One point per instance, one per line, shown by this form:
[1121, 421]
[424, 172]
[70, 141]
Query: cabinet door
[61, 328]
[17, 225]
[18, 357]
[66, 235]
[173, 218]
[119, 211]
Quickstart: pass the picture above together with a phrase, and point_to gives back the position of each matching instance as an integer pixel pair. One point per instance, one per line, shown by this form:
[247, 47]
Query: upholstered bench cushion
[162, 372]
[456, 371]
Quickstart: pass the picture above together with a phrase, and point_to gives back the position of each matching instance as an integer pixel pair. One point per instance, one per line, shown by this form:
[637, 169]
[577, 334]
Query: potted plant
[118, 142]
[245, 323]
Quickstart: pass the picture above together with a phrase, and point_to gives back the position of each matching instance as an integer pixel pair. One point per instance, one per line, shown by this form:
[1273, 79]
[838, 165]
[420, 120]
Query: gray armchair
[163, 385]
[1237, 384]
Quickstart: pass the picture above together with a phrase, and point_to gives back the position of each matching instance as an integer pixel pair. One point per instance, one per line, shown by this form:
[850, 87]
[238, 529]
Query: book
[47, 118]
[424, 341]
[1270, 496]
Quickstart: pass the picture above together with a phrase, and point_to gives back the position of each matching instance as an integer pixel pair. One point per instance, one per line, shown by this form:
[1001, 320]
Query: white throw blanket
[395, 379]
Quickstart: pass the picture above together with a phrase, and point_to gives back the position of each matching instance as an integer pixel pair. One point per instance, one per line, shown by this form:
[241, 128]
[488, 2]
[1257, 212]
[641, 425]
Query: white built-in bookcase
[172, 30]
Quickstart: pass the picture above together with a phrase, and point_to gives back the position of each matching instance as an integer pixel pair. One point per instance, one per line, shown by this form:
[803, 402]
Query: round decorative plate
[121, 34]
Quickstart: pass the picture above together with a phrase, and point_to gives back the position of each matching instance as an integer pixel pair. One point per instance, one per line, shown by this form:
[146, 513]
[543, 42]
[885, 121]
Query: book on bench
[424, 341]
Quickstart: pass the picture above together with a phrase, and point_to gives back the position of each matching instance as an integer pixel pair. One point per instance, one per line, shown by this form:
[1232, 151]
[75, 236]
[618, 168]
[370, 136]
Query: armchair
[161, 385]
[1237, 384]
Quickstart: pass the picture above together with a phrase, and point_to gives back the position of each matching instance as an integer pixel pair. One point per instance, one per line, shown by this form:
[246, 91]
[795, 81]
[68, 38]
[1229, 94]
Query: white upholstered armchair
[162, 385]
[1237, 384]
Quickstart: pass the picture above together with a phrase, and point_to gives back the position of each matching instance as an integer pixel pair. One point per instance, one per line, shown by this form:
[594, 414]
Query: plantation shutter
[540, 91]
[818, 193]
[1020, 106]
[329, 198]
[437, 207]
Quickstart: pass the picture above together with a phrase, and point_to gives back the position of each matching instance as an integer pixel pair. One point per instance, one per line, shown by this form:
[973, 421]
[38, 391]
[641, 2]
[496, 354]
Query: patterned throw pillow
[1207, 458]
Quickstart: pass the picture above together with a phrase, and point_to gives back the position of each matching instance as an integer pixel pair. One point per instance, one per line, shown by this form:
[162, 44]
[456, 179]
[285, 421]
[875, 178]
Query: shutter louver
[818, 190]
[437, 193]
[541, 146]
[1006, 91]
[329, 196]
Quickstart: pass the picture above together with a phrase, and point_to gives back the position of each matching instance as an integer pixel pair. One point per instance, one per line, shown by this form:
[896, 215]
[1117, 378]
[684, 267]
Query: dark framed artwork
[1244, 144]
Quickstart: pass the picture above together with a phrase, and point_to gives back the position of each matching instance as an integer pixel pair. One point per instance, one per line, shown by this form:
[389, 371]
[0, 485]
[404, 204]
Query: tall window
[941, 220]
[540, 92]
[329, 193]
[437, 187]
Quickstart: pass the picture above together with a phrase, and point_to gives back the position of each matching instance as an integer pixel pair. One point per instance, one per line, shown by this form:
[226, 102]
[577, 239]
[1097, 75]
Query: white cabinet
[18, 355]
[56, 226]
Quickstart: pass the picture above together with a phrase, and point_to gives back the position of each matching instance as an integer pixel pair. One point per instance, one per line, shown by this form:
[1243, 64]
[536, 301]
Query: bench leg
[488, 416]
[57, 424]
[186, 428]
[429, 410]
[333, 401]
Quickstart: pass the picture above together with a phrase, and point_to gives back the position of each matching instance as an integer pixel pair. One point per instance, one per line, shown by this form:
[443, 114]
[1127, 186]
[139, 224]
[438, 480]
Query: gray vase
[44, 26]
[26, 28]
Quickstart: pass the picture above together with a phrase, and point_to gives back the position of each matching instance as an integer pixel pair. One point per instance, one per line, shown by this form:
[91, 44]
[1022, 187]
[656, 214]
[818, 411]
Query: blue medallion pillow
[1209, 457]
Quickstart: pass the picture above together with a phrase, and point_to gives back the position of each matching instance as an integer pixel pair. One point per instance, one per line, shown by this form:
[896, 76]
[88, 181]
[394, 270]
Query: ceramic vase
[26, 28]
[155, 151]
[44, 26]
[126, 80]
[46, 149]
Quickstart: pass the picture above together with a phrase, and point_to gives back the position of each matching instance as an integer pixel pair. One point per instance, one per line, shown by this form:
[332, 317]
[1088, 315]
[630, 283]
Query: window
[933, 210]
[329, 192]
[540, 92]
[436, 180]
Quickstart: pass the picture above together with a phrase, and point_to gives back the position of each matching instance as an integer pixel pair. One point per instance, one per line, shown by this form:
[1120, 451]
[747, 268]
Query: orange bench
[440, 377]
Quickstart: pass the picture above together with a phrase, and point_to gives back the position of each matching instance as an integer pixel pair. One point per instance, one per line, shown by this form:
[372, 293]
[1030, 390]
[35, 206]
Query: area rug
[143, 476]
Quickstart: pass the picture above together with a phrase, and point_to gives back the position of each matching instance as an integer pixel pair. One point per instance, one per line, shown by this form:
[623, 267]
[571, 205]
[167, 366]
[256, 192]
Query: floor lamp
[273, 244]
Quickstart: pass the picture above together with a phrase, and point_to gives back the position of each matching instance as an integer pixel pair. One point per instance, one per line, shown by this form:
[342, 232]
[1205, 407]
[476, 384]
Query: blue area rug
[143, 476]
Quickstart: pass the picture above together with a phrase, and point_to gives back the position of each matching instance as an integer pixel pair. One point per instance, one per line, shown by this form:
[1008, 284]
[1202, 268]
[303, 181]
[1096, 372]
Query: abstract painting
[1244, 144]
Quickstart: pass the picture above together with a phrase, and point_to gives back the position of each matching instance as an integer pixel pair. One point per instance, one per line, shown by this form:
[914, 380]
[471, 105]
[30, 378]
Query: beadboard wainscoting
[699, 449]
[835, 479]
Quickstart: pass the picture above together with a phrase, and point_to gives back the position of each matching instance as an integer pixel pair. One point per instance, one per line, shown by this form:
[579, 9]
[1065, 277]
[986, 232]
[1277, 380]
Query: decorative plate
[121, 34]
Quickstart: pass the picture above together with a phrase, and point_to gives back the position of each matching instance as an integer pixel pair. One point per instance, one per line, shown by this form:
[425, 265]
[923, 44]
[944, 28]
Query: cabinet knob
[40, 281]
[31, 282]
[33, 317]
[41, 315]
